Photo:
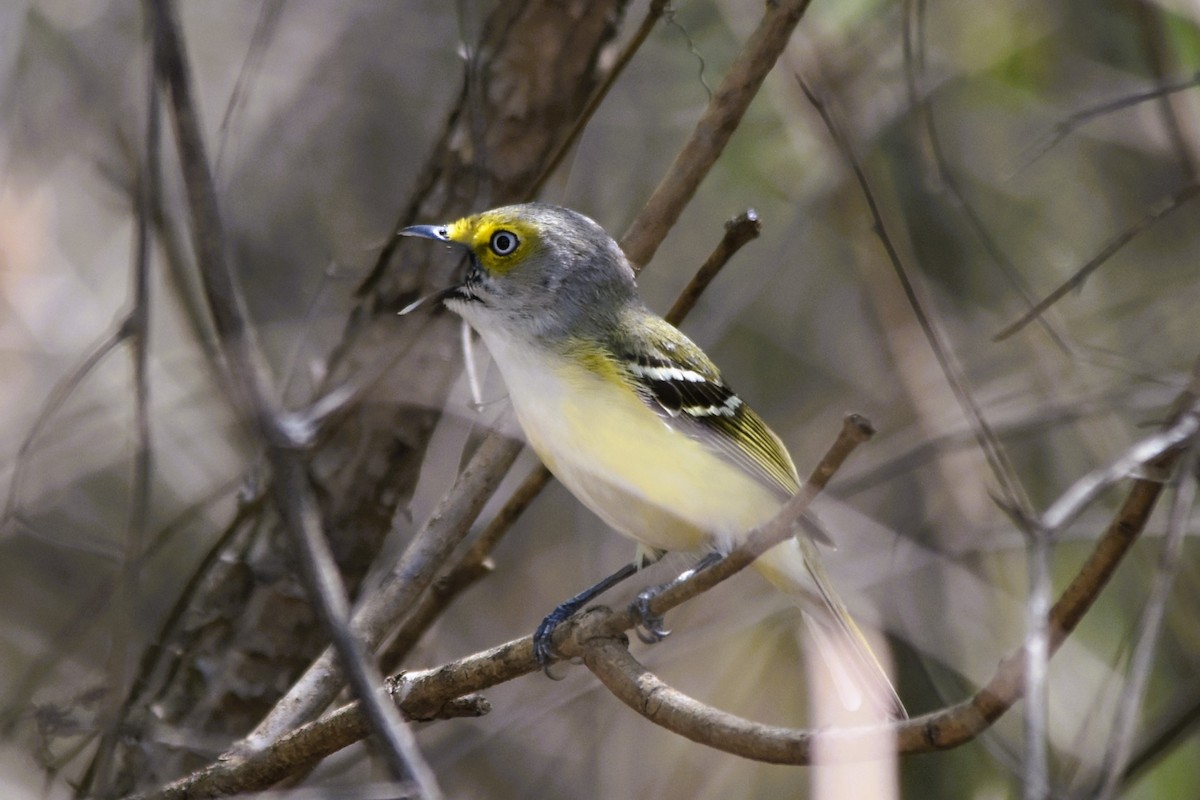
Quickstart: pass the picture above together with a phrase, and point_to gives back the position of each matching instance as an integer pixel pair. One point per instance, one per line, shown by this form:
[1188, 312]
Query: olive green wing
[679, 382]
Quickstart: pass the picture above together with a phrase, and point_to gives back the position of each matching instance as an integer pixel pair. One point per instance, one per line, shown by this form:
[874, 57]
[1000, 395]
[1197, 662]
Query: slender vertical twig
[1125, 725]
[293, 494]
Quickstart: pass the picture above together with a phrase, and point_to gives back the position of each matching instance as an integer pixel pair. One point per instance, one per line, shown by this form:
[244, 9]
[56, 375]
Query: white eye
[503, 243]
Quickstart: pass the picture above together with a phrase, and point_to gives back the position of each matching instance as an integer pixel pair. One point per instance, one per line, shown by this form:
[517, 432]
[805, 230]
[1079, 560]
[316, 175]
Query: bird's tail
[795, 567]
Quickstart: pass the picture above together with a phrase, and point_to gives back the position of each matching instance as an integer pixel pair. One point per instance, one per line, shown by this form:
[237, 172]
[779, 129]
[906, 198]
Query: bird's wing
[678, 382]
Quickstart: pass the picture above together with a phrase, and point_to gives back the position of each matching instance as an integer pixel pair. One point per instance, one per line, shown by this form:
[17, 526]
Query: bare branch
[944, 177]
[1120, 744]
[993, 451]
[293, 493]
[1080, 118]
[712, 132]
[445, 529]
[1156, 213]
[653, 14]
[739, 231]
[472, 567]
[1071, 503]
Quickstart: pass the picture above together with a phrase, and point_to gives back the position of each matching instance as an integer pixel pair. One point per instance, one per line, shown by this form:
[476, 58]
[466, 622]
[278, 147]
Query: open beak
[439, 233]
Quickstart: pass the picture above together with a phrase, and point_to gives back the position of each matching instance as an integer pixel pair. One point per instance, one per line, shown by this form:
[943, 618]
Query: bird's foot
[650, 625]
[543, 644]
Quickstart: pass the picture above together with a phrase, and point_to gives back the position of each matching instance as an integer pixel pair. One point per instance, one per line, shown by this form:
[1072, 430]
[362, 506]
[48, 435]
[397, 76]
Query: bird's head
[535, 269]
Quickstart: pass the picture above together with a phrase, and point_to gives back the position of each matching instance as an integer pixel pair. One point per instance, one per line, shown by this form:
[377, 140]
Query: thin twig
[653, 13]
[1157, 212]
[993, 451]
[1120, 743]
[739, 231]
[944, 177]
[1076, 120]
[1071, 503]
[712, 131]
[293, 494]
[136, 330]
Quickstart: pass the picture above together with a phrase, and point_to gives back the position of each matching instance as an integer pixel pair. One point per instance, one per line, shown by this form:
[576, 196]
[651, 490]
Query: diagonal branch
[1156, 213]
[294, 495]
[441, 691]
[609, 658]
[712, 131]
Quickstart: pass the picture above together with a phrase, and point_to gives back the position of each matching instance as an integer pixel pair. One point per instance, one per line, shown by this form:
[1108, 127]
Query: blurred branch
[292, 490]
[1120, 743]
[1157, 212]
[993, 451]
[1071, 503]
[712, 131]
[944, 177]
[440, 692]
[1178, 722]
[61, 392]
[653, 13]
[445, 529]
[1080, 118]
[470, 569]
[136, 328]
[1154, 30]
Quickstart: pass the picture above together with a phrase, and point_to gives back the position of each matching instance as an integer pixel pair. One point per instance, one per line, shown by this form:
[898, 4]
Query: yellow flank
[646, 479]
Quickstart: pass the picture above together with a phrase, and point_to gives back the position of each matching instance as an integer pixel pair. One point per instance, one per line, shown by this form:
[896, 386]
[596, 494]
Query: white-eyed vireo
[634, 418]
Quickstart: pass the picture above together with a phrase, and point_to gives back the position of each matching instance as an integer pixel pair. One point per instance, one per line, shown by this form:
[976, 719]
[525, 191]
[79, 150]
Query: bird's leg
[543, 649]
[650, 629]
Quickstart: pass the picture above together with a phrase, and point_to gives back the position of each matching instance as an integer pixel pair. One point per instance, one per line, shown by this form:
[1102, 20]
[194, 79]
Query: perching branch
[440, 692]
[950, 727]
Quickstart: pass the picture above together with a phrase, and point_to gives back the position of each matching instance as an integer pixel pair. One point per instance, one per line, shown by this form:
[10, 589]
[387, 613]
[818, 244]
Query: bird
[635, 420]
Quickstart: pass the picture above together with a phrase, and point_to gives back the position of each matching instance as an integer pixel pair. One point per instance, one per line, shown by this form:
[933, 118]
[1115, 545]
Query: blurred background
[324, 122]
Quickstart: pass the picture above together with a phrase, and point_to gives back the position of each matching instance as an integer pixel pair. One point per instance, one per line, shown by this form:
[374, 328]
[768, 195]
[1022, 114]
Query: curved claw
[650, 629]
[543, 645]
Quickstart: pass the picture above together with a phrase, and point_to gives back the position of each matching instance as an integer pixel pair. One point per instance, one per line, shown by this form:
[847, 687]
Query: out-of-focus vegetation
[319, 118]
